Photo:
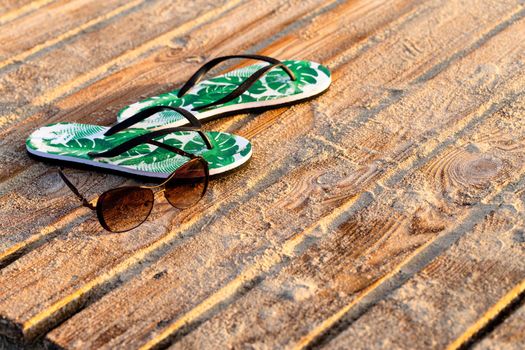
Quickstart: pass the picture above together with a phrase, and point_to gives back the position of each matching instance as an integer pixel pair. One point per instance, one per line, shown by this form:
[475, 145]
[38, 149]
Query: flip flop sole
[247, 108]
[273, 90]
[108, 168]
[70, 143]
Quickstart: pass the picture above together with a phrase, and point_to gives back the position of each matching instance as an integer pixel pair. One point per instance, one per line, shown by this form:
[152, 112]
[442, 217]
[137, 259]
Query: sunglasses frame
[98, 207]
[149, 138]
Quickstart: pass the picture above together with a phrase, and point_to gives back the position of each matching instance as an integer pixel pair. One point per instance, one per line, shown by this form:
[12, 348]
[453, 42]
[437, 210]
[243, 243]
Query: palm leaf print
[274, 85]
[77, 140]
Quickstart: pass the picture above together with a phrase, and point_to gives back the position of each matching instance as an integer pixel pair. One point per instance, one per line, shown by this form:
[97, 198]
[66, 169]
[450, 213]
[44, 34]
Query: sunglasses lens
[188, 184]
[125, 208]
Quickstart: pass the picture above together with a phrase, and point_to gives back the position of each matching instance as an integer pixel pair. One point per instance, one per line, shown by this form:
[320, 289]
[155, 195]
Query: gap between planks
[64, 36]
[44, 234]
[20, 12]
[484, 322]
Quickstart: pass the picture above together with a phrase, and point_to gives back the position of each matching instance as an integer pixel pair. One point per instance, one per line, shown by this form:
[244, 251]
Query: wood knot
[462, 175]
[476, 169]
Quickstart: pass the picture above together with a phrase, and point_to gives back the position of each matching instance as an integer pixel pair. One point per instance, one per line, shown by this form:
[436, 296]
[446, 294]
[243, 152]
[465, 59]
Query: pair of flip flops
[136, 143]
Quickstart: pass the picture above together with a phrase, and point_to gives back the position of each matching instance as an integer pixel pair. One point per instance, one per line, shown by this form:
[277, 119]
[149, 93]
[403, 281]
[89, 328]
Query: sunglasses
[125, 208]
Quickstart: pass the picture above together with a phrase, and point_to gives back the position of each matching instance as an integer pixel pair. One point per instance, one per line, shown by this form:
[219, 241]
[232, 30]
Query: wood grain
[336, 273]
[28, 85]
[12, 9]
[24, 33]
[434, 307]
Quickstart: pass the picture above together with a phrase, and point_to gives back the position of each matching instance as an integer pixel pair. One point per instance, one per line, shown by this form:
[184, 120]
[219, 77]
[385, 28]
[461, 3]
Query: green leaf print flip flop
[257, 87]
[140, 152]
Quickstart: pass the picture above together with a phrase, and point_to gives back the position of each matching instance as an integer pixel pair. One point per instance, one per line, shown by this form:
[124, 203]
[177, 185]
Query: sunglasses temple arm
[73, 189]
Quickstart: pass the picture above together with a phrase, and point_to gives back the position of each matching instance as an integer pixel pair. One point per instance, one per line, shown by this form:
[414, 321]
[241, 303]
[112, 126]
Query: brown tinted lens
[187, 185]
[124, 208]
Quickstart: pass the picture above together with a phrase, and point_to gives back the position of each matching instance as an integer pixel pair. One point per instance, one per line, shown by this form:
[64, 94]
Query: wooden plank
[28, 39]
[440, 303]
[25, 88]
[12, 9]
[264, 211]
[29, 233]
[26, 32]
[511, 333]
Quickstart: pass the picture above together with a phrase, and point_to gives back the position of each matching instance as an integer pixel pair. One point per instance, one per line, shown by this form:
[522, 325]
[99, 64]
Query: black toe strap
[239, 90]
[149, 138]
[195, 78]
[148, 112]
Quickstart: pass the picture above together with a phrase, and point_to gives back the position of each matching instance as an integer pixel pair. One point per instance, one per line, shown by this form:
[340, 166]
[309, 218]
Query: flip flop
[140, 152]
[257, 87]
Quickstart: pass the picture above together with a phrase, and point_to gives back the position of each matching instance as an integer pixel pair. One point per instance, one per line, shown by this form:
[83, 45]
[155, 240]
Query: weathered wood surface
[509, 335]
[461, 284]
[393, 197]
[25, 33]
[13, 9]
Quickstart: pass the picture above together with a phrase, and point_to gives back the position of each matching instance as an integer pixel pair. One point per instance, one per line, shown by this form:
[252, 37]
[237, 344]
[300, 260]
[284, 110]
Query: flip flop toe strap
[239, 90]
[149, 138]
[148, 112]
[196, 77]
[243, 87]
